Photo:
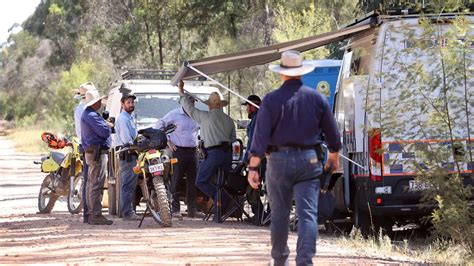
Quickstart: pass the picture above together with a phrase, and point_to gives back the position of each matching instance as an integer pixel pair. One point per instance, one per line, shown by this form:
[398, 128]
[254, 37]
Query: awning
[263, 55]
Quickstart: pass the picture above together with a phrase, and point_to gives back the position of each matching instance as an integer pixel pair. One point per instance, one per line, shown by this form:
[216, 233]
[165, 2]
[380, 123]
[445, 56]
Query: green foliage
[297, 24]
[61, 110]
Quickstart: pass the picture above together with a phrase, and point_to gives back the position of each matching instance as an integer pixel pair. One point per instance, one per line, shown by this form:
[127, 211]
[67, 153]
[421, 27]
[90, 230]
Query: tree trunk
[148, 39]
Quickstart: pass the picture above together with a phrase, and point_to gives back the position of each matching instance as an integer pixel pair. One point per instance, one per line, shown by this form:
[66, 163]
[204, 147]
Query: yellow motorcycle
[64, 178]
[154, 166]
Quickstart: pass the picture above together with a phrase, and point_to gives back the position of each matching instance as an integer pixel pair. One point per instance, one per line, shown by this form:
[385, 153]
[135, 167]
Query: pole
[223, 86]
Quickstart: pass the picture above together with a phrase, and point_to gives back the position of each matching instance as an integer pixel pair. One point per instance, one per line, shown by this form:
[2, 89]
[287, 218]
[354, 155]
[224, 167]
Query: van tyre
[112, 199]
[361, 220]
[74, 199]
[47, 197]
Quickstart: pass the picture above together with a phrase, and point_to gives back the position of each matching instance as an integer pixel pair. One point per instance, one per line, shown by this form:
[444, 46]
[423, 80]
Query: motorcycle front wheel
[47, 196]
[159, 203]
[74, 199]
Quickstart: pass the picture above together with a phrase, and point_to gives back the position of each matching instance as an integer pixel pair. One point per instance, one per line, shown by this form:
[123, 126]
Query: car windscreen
[150, 107]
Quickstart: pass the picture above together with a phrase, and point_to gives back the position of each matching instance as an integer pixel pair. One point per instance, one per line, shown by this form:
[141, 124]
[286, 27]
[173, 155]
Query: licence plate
[156, 168]
[414, 185]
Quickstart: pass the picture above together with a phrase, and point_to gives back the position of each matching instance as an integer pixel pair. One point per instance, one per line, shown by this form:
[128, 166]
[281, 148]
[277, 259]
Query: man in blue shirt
[290, 122]
[183, 141]
[78, 111]
[125, 133]
[95, 138]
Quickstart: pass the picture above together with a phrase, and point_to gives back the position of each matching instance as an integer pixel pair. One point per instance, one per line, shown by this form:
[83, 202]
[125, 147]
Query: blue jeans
[293, 174]
[128, 185]
[216, 158]
[85, 169]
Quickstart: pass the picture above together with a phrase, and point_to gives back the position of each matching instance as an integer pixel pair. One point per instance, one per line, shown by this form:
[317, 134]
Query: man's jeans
[293, 174]
[128, 184]
[95, 182]
[187, 164]
[216, 158]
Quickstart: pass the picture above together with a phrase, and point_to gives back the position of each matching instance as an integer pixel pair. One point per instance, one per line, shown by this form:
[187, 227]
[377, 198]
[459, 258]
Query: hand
[333, 160]
[254, 179]
[111, 125]
[181, 87]
[171, 145]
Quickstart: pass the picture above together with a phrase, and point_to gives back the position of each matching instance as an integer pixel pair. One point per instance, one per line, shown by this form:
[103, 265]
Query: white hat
[215, 101]
[93, 96]
[83, 88]
[292, 65]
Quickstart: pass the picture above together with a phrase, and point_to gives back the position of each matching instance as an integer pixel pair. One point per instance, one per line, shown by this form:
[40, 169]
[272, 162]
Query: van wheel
[361, 220]
[112, 199]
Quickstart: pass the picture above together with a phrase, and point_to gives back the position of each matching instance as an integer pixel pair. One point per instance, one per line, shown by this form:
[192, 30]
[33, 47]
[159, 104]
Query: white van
[385, 113]
[155, 98]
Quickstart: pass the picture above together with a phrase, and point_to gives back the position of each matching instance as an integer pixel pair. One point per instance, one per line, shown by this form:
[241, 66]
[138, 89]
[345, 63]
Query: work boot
[85, 219]
[177, 215]
[99, 220]
[131, 217]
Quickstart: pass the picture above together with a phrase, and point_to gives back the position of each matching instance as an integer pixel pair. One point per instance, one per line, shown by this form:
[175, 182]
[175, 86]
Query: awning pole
[222, 85]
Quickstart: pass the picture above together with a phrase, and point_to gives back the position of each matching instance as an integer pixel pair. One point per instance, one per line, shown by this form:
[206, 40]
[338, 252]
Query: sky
[14, 11]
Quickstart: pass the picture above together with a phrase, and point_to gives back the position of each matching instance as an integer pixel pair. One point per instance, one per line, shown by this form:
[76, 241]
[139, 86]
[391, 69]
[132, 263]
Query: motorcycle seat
[58, 157]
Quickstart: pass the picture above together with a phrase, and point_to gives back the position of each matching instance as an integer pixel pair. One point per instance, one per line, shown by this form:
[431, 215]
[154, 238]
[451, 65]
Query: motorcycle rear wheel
[47, 196]
[74, 199]
[159, 203]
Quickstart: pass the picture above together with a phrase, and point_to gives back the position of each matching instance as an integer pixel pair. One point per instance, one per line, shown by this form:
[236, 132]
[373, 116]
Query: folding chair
[231, 185]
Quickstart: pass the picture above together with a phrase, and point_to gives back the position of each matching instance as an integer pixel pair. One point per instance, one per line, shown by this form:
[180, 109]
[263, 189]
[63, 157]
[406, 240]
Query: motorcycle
[64, 178]
[154, 166]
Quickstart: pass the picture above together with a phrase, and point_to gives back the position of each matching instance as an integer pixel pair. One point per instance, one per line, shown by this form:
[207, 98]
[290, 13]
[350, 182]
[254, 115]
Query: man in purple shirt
[183, 141]
[289, 126]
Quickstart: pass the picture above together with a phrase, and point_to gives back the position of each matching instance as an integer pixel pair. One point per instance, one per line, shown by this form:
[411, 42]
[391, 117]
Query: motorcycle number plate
[156, 168]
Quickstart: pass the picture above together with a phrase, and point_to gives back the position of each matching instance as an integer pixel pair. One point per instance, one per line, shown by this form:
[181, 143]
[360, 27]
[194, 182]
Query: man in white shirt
[81, 95]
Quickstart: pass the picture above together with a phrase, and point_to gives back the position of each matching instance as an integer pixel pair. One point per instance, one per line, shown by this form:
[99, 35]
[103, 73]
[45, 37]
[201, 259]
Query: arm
[98, 125]
[187, 103]
[262, 131]
[333, 137]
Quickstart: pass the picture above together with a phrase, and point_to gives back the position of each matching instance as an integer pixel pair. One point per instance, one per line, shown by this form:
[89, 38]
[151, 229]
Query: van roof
[164, 86]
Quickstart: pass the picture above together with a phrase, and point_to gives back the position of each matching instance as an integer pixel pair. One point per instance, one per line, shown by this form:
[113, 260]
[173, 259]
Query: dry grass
[422, 250]
[27, 140]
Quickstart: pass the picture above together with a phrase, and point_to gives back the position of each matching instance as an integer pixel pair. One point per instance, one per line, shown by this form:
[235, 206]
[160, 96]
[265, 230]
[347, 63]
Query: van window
[150, 107]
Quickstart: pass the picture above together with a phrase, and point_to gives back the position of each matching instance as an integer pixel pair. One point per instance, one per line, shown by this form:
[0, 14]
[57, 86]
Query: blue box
[323, 77]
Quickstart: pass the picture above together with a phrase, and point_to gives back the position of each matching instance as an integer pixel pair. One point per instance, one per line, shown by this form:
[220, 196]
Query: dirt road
[27, 237]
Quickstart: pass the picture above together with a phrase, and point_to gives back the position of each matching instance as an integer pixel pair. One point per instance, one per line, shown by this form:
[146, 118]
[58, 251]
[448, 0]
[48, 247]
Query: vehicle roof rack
[160, 74]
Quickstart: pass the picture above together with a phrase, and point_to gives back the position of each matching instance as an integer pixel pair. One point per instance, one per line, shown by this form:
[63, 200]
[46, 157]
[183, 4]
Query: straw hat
[93, 96]
[83, 88]
[215, 101]
[292, 65]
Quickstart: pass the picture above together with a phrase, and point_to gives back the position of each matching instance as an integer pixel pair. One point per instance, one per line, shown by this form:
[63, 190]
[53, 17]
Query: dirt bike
[154, 166]
[64, 178]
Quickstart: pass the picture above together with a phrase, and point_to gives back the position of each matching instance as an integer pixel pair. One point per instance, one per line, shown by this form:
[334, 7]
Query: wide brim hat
[92, 97]
[83, 89]
[292, 65]
[215, 101]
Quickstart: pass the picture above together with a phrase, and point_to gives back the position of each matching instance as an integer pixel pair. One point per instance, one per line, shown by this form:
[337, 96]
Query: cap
[125, 96]
[253, 98]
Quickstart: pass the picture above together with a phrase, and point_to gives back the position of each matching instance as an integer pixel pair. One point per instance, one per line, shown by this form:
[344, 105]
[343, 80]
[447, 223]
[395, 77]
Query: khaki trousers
[95, 182]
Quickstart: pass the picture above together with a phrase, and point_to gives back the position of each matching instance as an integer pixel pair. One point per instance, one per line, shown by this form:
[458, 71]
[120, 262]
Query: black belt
[217, 147]
[291, 148]
[101, 151]
[186, 148]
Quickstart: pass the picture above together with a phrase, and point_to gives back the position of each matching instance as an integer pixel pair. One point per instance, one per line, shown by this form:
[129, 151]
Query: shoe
[132, 217]
[250, 220]
[196, 214]
[85, 219]
[99, 220]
